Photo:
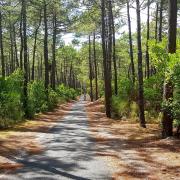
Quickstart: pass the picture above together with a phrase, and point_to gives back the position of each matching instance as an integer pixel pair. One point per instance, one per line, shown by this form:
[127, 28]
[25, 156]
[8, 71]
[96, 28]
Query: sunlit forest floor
[133, 152]
[21, 139]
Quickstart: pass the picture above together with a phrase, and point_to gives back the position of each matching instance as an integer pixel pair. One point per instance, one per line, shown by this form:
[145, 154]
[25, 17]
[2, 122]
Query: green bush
[153, 93]
[37, 98]
[11, 94]
[52, 99]
[120, 107]
[66, 92]
[176, 99]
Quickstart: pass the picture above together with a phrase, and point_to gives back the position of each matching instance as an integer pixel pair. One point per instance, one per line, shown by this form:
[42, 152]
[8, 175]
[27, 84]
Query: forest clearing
[90, 89]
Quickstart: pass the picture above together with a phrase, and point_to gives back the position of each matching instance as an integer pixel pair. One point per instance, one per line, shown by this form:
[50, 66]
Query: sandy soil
[133, 152]
[22, 138]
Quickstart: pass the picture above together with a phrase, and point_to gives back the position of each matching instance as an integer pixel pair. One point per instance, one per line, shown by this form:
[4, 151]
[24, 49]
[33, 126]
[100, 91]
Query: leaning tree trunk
[167, 119]
[140, 71]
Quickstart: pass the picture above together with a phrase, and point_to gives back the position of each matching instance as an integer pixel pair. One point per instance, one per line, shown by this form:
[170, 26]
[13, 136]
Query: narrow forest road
[70, 152]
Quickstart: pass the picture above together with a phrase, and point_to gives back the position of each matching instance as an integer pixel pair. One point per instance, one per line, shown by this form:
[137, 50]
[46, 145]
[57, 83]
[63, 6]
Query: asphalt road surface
[70, 153]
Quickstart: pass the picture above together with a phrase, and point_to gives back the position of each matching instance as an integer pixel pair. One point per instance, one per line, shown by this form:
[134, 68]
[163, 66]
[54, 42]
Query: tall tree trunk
[106, 64]
[15, 47]
[46, 48]
[147, 46]
[130, 43]
[114, 48]
[140, 71]
[160, 20]
[90, 70]
[11, 48]
[167, 119]
[156, 23]
[53, 73]
[2, 49]
[25, 57]
[34, 49]
[21, 37]
[95, 65]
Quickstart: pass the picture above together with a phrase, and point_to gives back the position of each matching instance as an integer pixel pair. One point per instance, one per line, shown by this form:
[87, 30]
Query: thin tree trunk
[46, 48]
[130, 43]
[95, 65]
[25, 57]
[114, 48]
[15, 47]
[167, 119]
[21, 37]
[160, 20]
[34, 49]
[53, 73]
[140, 71]
[90, 70]
[156, 24]
[147, 46]
[2, 48]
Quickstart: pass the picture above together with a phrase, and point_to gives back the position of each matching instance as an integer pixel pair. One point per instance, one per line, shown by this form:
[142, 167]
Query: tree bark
[106, 61]
[147, 46]
[53, 73]
[95, 65]
[25, 57]
[156, 23]
[130, 43]
[21, 37]
[46, 48]
[2, 48]
[160, 20]
[34, 49]
[114, 48]
[167, 119]
[90, 70]
[140, 71]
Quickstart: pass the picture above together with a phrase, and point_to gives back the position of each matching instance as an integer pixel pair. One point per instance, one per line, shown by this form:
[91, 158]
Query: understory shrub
[66, 92]
[121, 104]
[176, 99]
[37, 98]
[11, 94]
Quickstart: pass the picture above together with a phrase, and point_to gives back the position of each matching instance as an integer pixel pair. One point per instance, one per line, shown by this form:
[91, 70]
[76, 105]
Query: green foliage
[66, 92]
[52, 99]
[37, 98]
[121, 103]
[11, 92]
[120, 107]
[176, 99]
[11, 98]
[153, 93]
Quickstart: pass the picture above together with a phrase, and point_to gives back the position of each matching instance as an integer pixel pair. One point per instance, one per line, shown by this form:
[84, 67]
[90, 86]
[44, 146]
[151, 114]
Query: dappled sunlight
[133, 152]
[22, 139]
